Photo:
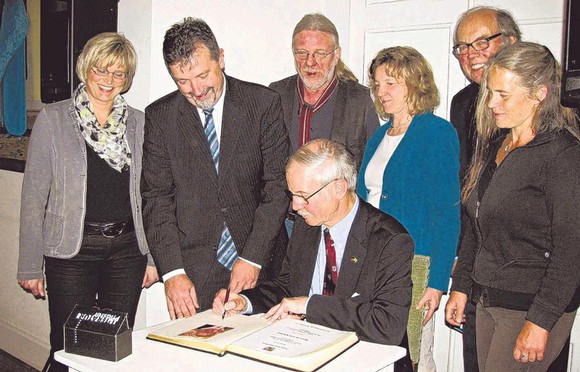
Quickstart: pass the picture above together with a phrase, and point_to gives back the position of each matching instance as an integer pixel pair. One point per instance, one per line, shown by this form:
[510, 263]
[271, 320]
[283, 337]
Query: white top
[377, 165]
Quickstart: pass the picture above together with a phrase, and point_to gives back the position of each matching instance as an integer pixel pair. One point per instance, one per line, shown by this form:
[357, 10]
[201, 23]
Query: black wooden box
[102, 334]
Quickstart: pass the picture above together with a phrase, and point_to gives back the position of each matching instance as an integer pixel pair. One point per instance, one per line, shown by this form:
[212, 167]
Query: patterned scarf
[307, 111]
[108, 142]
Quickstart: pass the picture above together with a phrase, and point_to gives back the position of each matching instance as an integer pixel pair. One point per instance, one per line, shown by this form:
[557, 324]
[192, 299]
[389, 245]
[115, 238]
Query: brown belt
[109, 229]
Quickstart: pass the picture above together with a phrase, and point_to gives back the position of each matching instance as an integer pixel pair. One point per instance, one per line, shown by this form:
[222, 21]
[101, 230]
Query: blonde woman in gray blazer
[81, 202]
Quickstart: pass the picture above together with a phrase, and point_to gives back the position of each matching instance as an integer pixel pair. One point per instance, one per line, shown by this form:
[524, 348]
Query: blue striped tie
[212, 139]
[226, 252]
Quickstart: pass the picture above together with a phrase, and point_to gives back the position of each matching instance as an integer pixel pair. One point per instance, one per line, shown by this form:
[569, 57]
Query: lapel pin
[354, 259]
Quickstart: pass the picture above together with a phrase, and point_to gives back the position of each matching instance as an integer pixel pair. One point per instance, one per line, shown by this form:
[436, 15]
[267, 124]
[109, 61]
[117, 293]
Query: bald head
[482, 23]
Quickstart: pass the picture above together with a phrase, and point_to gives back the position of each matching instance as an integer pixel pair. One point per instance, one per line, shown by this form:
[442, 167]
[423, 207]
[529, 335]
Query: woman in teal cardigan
[410, 171]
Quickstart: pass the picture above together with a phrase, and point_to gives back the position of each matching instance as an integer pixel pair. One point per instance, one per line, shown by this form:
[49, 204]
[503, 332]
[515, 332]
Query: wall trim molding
[23, 345]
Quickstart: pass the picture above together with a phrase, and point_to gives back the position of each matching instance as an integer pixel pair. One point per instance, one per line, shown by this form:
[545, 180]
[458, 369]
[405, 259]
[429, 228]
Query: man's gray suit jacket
[354, 119]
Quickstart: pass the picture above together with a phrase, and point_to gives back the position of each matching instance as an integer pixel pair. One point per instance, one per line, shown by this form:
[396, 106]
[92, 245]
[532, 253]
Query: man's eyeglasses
[477, 45]
[318, 55]
[103, 72]
[304, 199]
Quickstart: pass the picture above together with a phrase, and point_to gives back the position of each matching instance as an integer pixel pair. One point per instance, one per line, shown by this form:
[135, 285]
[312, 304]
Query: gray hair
[318, 22]
[183, 39]
[505, 22]
[315, 155]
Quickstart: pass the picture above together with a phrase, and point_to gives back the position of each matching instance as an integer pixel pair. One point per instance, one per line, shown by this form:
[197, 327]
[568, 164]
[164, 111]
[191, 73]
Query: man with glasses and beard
[324, 99]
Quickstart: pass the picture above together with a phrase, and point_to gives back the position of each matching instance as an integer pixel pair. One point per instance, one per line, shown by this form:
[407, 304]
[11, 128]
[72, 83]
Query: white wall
[256, 38]
[255, 35]
[24, 325]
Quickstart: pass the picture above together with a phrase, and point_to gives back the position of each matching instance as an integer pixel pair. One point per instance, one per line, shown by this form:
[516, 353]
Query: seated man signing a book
[348, 265]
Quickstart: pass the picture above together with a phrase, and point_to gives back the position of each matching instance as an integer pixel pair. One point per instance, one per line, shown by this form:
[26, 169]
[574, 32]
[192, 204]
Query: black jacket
[462, 113]
[522, 249]
[373, 293]
[185, 203]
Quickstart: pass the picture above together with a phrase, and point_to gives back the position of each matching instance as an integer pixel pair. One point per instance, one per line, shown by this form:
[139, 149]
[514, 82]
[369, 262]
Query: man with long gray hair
[324, 99]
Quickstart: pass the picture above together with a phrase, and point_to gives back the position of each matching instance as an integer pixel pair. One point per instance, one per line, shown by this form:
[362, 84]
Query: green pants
[419, 276]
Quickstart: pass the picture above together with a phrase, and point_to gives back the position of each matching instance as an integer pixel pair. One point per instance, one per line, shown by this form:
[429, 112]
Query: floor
[9, 363]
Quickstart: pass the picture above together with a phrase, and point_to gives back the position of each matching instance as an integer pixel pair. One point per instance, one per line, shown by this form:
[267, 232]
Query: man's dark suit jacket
[462, 115]
[354, 120]
[373, 293]
[186, 203]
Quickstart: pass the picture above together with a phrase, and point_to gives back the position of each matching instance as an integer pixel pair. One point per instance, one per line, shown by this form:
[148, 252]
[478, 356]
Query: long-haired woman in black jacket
[519, 260]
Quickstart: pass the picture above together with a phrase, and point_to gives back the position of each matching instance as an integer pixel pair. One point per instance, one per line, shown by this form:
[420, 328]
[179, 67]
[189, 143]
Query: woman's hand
[151, 276]
[34, 286]
[531, 343]
[430, 302]
[454, 310]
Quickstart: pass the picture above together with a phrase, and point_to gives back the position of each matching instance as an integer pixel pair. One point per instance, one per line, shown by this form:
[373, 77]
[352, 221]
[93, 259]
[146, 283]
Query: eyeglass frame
[314, 54]
[291, 195]
[103, 72]
[467, 45]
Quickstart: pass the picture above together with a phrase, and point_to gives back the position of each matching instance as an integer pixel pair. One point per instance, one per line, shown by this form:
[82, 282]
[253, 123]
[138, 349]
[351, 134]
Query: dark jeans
[404, 364]
[111, 268]
[469, 343]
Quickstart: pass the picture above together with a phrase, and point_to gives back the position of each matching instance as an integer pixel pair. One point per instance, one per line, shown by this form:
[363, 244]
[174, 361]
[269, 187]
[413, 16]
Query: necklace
[395, 127]
[508, 145]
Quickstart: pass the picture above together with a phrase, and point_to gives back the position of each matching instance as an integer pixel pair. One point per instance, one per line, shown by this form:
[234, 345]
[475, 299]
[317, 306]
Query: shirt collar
[341, 229]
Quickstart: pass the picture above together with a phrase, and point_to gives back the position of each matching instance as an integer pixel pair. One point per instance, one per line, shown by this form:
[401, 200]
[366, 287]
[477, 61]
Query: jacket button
[214, 247]
[384, 197]
[547, 254]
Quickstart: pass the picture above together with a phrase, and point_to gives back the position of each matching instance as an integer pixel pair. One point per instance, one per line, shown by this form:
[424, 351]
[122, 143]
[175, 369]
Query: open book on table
[289, 343]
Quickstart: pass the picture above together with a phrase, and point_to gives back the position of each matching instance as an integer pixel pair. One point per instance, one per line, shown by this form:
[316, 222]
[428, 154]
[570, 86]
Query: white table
[151, 355]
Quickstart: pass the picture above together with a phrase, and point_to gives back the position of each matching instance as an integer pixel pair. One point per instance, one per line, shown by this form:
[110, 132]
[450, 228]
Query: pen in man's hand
[225, 302]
